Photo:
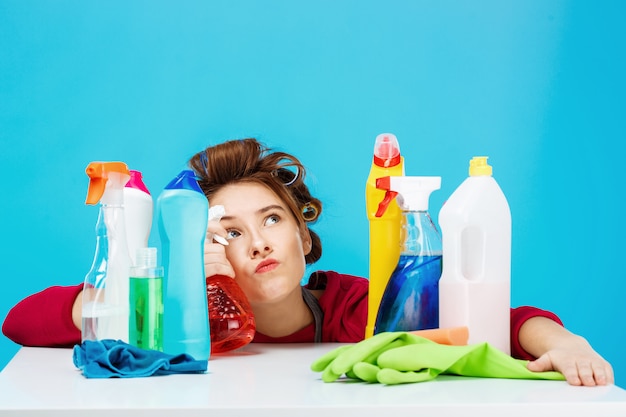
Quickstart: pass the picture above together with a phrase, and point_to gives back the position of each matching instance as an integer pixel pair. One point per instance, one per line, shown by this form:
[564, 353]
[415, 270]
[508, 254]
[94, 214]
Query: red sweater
[45, 318]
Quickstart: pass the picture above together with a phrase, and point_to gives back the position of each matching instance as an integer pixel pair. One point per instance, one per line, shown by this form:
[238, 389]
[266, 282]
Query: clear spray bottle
[105, 308]
[411, 298]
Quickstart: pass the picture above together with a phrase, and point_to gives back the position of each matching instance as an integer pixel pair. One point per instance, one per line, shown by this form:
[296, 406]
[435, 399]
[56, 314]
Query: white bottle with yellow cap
[475, 284]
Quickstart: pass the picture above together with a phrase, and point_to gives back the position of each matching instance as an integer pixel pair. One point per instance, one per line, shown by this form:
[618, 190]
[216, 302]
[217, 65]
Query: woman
[268, 209]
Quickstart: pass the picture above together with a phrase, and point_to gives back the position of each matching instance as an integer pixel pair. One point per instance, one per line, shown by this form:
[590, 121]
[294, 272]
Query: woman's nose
[259, 245]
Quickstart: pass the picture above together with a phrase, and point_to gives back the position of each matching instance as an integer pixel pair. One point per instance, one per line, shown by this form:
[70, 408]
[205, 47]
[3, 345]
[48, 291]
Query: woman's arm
[556, 348]
[77, 311]
[49, 318]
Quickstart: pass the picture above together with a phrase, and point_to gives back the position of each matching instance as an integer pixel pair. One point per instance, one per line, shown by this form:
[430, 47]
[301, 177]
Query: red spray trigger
[384, 183]
[382, 206]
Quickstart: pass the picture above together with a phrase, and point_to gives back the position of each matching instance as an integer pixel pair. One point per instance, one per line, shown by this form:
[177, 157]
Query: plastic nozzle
[478, 166]
[185, 180]
[412, 192]
[136, 181]
[386, 150]
[102, 175]
[216, 213]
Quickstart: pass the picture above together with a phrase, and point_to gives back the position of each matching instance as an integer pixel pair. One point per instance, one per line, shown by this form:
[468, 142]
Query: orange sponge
[456, 336]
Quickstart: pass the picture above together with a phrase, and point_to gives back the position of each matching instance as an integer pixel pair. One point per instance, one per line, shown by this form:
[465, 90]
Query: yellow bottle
[384, 233]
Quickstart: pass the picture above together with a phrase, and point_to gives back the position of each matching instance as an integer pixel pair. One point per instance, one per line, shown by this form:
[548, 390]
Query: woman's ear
[307, 242]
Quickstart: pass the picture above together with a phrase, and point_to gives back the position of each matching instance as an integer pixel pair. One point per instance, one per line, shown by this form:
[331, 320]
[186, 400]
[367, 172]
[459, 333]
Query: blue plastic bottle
[411, 298]
[182, 211]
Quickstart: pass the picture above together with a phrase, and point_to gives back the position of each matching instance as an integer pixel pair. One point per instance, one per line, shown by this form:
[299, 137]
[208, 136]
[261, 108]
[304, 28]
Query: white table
[275, 380]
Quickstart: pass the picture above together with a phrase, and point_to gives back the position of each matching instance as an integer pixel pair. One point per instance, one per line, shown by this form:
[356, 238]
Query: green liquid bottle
[146, 301]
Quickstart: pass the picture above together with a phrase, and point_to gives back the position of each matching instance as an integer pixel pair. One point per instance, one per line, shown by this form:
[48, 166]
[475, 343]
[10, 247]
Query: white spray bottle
[105, 308]
[411, 298]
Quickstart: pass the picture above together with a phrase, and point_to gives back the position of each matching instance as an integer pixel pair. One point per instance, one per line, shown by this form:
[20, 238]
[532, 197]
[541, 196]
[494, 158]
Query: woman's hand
[557, 349]
[215, 261]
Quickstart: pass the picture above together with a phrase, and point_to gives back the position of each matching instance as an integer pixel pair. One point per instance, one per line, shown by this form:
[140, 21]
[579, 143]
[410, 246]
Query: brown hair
[247, 160]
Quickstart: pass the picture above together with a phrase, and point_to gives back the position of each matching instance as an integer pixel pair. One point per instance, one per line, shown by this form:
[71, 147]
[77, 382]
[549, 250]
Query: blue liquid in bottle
[411, 298]
[182, 211]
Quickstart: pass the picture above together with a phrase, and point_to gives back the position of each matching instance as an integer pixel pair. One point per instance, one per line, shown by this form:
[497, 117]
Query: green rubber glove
[479, 360]
[341, 361]
[400, 357]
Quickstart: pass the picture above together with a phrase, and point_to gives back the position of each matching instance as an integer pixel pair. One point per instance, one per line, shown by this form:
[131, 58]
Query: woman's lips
[266, 266]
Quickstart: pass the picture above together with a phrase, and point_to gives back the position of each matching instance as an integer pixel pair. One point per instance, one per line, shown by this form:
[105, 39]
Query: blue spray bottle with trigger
[411, 298]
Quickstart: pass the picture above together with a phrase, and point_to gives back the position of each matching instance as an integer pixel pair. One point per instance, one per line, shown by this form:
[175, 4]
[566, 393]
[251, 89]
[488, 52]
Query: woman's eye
[273, 219]
[231, 234]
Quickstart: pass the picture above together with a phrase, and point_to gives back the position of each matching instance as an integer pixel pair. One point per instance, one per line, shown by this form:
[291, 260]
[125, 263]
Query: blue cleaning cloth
[116, 359]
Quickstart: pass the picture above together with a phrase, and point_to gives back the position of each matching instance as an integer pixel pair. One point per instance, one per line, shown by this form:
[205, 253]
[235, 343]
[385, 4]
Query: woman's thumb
[541, 364]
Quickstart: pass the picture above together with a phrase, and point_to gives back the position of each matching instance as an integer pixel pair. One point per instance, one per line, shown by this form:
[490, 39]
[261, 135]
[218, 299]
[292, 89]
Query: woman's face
[266, 247]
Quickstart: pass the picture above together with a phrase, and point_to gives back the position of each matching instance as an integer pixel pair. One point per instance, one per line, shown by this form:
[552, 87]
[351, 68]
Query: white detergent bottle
[138, 208]
[475, 284]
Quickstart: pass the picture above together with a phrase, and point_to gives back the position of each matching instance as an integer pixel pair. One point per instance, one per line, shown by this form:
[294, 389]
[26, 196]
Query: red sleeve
[44, 319]
[519, 316]
[344, 303]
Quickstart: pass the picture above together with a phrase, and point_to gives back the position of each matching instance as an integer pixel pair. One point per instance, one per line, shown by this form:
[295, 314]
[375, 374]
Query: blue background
[538, 86]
